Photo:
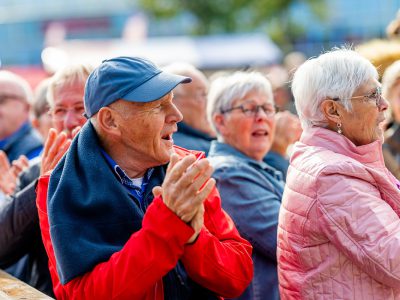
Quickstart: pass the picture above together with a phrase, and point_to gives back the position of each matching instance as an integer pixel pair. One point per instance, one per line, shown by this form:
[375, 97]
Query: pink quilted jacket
[339, 225]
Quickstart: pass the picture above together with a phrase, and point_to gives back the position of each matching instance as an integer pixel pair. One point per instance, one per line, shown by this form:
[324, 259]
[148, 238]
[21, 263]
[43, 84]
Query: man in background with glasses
[17, 137]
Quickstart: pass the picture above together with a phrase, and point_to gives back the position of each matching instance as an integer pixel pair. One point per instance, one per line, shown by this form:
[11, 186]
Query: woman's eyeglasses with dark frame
[251, 110]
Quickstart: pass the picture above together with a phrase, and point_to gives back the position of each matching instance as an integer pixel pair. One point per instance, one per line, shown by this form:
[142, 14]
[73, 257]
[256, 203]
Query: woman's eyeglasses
[376, 96]
[251, 110]
[5, 97]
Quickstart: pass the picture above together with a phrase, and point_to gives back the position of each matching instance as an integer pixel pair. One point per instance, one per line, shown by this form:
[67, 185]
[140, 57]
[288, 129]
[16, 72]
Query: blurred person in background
[40, 116]
[288, 127]
[279, 79]
[287, 132]
[339, 224]
[292, 61]
[241, 108]
[393, 28]
[9, 173]
[41, 121]
[21, 247]
[391, 92]
[194, 131]
[17, 137]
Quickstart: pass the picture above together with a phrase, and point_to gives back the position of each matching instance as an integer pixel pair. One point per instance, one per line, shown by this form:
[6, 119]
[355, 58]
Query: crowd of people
[130, 181]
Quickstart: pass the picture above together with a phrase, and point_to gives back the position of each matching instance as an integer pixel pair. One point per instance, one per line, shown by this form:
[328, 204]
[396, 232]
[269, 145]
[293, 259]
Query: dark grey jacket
[21, 249]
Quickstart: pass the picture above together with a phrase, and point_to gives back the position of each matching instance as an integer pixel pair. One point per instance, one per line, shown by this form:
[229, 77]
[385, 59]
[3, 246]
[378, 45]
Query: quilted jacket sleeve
[361, 224]
[220, 259]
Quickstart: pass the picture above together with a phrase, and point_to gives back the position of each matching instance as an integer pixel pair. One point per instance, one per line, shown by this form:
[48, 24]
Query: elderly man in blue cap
[125, 214]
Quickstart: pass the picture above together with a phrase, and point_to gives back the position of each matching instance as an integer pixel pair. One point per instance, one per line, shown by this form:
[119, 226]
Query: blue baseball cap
[129, 78]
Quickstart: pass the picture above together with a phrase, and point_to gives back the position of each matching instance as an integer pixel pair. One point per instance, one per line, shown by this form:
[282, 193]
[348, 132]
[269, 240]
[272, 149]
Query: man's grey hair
[68, 76]
[334, 74]
[184, 69]
[227, 88]
[7, 76]
[181, 68]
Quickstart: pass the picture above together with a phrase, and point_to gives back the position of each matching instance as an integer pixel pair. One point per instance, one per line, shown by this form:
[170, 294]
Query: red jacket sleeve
[135, 271]
[220, 259]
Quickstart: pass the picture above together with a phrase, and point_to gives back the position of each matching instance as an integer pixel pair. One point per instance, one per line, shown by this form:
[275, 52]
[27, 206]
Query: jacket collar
[189, 130]
[338, 143]
[222, 149]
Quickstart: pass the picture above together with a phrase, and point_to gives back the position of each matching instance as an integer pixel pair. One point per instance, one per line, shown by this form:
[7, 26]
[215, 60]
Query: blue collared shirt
[127, 182]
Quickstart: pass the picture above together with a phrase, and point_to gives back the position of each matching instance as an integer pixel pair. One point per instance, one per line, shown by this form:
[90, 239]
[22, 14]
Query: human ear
[219, 122]
[106, 120]
[331, 110]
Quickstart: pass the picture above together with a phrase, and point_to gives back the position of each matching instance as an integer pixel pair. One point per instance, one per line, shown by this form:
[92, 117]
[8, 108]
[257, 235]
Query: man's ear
[106, 119]
[331, 110]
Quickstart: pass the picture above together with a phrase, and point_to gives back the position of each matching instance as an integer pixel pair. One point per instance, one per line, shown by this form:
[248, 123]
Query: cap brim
[156, 87]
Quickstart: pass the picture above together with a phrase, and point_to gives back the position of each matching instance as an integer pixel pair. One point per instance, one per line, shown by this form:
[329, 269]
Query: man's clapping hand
[186, 186]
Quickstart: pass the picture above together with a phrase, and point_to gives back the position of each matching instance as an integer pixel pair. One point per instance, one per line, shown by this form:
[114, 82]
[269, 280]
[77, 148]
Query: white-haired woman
[339, 224]
[391, 92]
[241, 109]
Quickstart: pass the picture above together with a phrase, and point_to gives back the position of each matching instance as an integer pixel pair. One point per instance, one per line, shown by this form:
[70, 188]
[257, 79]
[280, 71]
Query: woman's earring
[339, 128]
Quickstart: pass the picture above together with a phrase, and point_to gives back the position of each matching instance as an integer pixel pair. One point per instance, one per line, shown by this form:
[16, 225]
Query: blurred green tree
[227, 16]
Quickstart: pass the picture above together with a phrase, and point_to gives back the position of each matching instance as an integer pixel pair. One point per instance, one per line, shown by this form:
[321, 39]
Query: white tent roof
[209, 52]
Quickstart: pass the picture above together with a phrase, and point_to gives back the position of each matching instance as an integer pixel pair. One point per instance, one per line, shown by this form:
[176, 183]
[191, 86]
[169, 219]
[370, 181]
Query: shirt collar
[135, 190]
[122, 176]
[185, 128]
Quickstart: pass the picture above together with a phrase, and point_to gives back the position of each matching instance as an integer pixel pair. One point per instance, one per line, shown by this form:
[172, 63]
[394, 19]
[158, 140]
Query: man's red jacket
[219, 260]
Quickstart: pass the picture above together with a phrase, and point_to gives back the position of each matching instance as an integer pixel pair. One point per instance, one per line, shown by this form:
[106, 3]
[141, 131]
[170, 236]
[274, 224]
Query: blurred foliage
[227, 16]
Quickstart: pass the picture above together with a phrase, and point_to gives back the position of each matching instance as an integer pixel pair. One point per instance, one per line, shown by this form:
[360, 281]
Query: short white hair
[7, 76]
[68, 76]
[334, 74]
[225, 89]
